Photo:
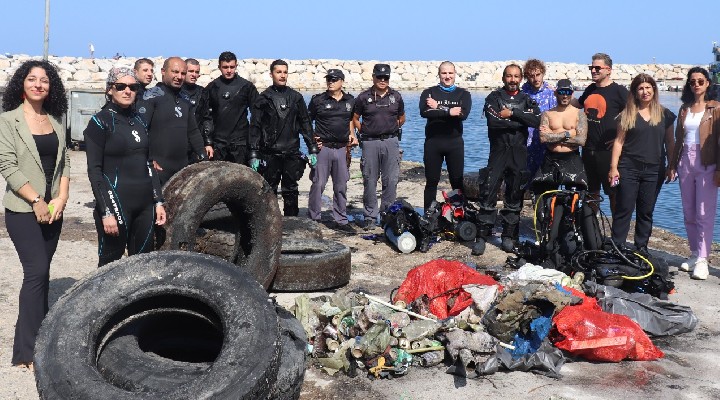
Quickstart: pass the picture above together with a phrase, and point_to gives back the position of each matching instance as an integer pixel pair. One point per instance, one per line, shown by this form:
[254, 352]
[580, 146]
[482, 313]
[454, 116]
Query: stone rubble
[84, 73]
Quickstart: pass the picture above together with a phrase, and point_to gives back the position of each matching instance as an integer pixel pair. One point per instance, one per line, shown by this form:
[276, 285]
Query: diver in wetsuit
[445, 106]
[171, 124]
[128, 198]
[509, 113]
[278, 114]
[224, 111]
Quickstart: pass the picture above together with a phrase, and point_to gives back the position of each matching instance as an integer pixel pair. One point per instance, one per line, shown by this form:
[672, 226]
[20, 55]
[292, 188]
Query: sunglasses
[382, 77]
[698, 82]
[333, 79]
[564, 92]
[122, 86]
[596, 68]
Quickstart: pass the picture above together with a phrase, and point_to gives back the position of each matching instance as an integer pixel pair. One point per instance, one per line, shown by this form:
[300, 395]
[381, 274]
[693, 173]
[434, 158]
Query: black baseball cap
[335, 73]
[564, 84]
[381, 69]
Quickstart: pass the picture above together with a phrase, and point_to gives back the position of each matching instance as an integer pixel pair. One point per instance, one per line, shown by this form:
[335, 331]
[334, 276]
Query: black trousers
[231, 152]
[288, 169]
[437, 149]
[35, 244]
[638, 191]
[507, 162]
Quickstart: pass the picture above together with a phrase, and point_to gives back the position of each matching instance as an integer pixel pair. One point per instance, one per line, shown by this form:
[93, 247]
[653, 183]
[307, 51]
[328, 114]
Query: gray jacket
[20, 161]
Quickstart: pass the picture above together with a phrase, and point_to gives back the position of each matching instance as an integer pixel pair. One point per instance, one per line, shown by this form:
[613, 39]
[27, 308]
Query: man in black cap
[509, 113]
[334, 133]
[383, 113]
[278, 115]
[224, 111]
[563, 129]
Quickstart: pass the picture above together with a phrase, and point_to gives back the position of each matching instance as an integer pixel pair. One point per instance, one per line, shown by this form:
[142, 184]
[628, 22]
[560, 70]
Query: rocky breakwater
[84, 73]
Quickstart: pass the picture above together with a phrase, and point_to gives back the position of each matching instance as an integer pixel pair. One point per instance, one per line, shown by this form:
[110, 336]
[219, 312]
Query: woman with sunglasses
[637, 165]
[128, 197]
[36, 166]
[694, 159]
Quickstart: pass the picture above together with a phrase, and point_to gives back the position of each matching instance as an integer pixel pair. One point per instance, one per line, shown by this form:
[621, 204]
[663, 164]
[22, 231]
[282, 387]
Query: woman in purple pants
[694, 160]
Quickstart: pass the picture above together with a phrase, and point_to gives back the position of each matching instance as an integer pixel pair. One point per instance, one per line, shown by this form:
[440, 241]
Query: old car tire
[227, 301]
[292, 361]
[125, 362]
[312, 264]
[195, 189]
[301, 228]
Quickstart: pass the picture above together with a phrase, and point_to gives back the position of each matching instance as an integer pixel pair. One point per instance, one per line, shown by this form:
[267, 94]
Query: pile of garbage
[475, 323]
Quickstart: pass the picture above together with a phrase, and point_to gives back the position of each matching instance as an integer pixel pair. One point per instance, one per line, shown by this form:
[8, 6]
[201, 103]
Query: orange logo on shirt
[595, 107]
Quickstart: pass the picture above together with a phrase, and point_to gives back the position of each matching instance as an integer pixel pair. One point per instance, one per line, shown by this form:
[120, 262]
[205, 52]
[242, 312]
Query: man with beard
[563, 129]
[278, 114]
[171, 125]
[509, 113]
[603, 100]
[224, 111]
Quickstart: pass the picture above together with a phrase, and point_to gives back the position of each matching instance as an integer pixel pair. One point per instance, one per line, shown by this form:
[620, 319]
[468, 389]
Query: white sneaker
[701, 269]
[688, 264]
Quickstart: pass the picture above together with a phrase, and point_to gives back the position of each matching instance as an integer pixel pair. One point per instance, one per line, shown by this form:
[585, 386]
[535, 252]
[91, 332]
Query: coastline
[86, 73]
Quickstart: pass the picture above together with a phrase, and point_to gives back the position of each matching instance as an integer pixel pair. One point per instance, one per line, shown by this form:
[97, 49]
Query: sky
[630, 31]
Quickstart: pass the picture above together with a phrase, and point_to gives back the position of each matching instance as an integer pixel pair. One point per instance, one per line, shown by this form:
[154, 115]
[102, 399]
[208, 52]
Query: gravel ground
[690, 370]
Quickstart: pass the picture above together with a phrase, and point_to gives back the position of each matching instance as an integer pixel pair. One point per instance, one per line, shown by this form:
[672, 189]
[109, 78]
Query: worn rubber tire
[195, 189]
[471, 186]
[299, 227]
[123, 359]
[218, 233]
[138, 287]
[312, 264]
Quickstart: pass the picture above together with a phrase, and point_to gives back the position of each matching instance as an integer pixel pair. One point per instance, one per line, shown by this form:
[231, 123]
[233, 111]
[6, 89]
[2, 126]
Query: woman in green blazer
[36, 167]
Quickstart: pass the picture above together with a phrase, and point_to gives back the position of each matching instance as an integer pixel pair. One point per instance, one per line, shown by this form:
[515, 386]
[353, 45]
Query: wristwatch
[36, 200]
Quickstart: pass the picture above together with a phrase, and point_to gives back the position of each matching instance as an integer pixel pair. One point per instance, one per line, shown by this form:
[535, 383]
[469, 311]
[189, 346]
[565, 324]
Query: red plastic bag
[437, 277]
[587, 331]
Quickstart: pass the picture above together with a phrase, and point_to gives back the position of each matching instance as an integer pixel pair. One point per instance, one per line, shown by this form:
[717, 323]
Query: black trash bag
[656, 317]
[546, 361]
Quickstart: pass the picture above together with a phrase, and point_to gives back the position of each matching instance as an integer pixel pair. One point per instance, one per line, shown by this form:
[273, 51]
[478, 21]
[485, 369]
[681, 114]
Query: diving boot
[508, 244]
[479, 247]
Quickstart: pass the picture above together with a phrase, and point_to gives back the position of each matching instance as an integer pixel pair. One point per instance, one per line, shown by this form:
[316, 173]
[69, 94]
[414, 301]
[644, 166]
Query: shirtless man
[563, 129]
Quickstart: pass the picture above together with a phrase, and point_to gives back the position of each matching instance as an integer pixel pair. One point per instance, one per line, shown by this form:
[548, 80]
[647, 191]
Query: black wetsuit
[193, 93]
[224, 119]
[122, 180]
[278, 114]
[507, 160]
[443, 137]
[172, 128]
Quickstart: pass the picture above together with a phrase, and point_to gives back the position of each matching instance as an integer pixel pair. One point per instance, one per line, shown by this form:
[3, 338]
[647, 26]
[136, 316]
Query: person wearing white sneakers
[694, 160]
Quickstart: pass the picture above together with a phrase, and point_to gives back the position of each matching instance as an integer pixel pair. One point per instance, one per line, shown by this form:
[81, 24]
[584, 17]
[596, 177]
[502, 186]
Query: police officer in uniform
[171, 124]
[509, 113]
[224, 110]
[278, 114]
[332, 113]
[383, 113]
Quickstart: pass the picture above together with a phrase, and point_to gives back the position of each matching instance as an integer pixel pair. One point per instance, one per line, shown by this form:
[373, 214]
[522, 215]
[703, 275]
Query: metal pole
[46, 43]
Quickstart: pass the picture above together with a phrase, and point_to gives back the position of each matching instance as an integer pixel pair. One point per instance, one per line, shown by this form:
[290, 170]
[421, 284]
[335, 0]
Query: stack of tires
[177, 324]
[169, 324]
[229, 211]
